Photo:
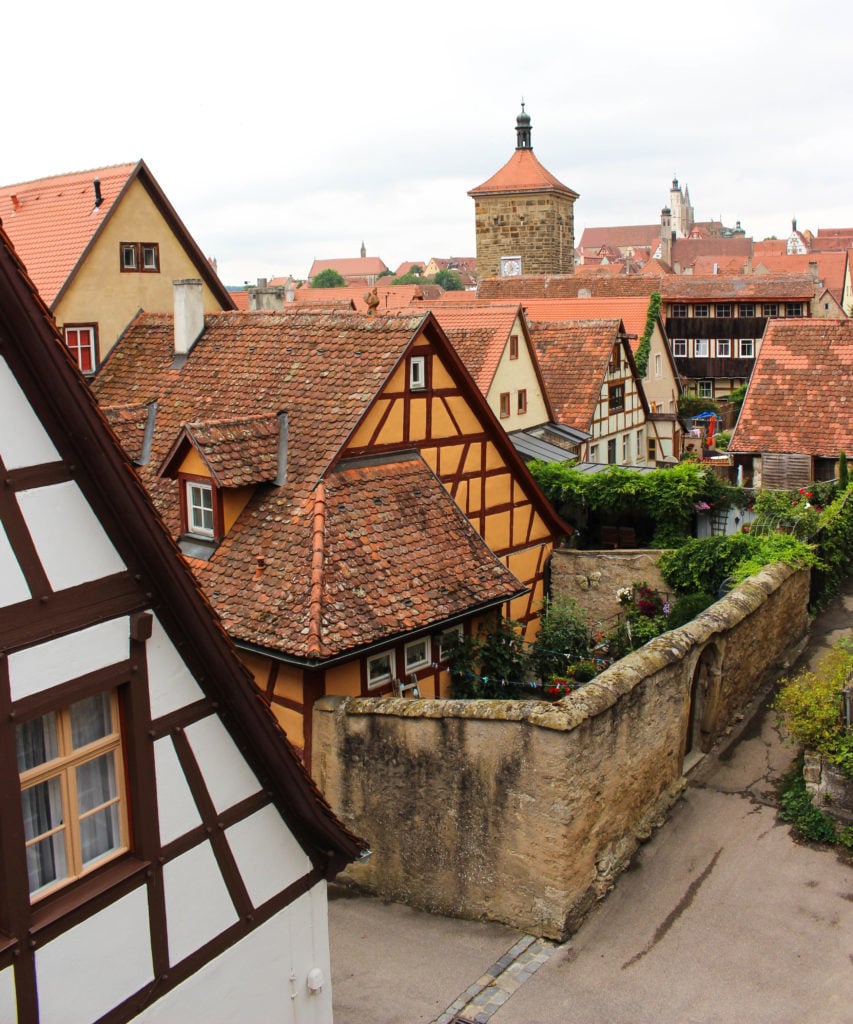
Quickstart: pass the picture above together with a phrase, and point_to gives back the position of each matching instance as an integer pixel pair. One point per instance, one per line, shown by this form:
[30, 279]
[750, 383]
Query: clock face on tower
[510, 266]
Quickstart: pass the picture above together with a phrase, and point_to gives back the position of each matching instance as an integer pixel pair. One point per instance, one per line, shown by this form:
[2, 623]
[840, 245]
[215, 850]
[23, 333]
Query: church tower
[524, 216]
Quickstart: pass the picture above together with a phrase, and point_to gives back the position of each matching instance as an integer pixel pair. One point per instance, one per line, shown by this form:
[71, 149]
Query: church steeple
[523, 130]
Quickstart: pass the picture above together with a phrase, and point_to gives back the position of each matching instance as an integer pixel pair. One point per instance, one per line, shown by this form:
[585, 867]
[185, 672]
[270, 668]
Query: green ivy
[641, 356]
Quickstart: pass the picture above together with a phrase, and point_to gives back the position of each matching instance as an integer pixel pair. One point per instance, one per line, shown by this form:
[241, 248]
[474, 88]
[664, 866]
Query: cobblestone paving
[489, 992]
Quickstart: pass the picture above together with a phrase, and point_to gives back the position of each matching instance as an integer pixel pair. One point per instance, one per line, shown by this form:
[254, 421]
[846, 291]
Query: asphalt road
[724, 919]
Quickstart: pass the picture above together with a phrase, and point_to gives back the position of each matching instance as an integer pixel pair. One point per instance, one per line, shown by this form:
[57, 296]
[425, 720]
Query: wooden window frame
[701, 309]
[705, 386]
[63, 766]
[679, 310]
[513, 346]
[724, 344]
[188, 480]
[770, 309]
[75, 350]
[698, 345]
[639, 440]
[504, 405]
[611, 451]
[626, 448]
[679, 347]
[616, 397]
[746, 309]
[138, 263]
[651, 449]
[443, 639]
[723, 310]
[521, 403]
[750, 343]
[793, 310]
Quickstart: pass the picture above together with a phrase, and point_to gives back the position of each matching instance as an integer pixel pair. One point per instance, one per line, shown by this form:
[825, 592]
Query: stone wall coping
[606, 689]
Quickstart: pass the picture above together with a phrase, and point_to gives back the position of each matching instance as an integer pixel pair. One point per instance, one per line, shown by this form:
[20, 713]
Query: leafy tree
[449, 280]
[385, 273]
[328, 278]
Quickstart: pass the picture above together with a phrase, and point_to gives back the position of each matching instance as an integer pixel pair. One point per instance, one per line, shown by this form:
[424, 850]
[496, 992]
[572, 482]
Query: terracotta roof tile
[238, 451]
[129, 422]
[522, 173]
[52, 220]
[800, 396]
[631, 310]
[322, 369]
[353, 266]
[574, 358]
[479, 333]
[631, 235]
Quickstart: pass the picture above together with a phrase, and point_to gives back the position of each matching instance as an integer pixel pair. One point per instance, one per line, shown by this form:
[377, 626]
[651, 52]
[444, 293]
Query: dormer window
[199, 509]
[417, 373]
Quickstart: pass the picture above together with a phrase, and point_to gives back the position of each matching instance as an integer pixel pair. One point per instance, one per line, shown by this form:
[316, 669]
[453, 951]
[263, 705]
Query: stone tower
[682, 211]
[525, 220]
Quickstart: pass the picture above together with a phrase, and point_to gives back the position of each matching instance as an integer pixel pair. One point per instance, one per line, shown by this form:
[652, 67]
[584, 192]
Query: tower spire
[523, 130]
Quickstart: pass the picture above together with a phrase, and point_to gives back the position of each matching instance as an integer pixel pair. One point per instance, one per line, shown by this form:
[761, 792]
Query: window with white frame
[639, 446]
[746, 309]
[417, 654]
[706, 389]
[72, 791]
[82, 342]
[140, 257]
[626, 447]
[593, 453]
[679, 346]
[200, 517]
[658, 365]
[747, 348]
[446, 642]
[417, 373]
[724, 347]
[701, 309]
[679, 310]
[700, 347]
[380, 669]
[770, 309]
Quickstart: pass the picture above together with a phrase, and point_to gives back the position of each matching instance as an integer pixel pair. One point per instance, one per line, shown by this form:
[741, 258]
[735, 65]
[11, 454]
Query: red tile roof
[129, 422]
[800, 396]
[631, 310]
[355, 266]
[574, 359]
[392, 297]
[52, 220]
[647, 235]
[238, 452]
[322, 369]
[565, 286]
[522, 173]
[479, 333]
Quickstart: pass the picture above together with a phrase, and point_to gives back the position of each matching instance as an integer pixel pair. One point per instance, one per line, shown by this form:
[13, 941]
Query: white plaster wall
[263, 979]
[89, 969]
[267, 854]
[8, 1006]
[511, 375]
[73, 546]
[227, 776]
[198, 906]
[57, 661]
[13, 586]
[176, 806]
[23, 440]
[170, 684]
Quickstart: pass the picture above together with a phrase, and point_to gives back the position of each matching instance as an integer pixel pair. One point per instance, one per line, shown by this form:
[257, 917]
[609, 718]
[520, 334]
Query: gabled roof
[686, 251]
[45, 372]
[631, 310]
[800, 395]
[574, 359]
[271, 572]
[238, 452]
[739, 287]
[53, 222]
[392, 297]
[566, 286]
[522, 173]
[647, 235]
[354, 266]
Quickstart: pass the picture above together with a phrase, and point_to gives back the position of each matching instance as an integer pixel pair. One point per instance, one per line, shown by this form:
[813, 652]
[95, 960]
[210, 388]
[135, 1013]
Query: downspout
[315, 608]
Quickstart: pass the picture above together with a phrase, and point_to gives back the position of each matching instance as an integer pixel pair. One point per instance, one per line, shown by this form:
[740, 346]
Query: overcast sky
[284, 133]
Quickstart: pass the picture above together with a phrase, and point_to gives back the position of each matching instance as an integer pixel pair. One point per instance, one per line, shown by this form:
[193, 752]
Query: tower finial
[522, 129]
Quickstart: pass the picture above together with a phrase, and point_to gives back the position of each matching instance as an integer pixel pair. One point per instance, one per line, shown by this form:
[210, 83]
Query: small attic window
[417, 373]
[142, 257]
[513, 346]
[201, 510]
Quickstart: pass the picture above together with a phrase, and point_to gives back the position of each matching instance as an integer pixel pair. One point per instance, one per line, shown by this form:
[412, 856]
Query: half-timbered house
[342, 491]
[163, 853]
[593, 385]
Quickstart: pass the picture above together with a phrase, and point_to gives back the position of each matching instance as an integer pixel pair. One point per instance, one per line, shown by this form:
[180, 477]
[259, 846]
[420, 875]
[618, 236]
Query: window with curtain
[72, 791]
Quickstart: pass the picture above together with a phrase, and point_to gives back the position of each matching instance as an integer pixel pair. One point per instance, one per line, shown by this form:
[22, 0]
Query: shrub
[687, 607]
[489, 665]
[796, 807]
[563, 638]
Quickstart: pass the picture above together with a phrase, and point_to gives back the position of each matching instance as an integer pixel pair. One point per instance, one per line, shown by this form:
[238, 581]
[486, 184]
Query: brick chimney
[189, 314]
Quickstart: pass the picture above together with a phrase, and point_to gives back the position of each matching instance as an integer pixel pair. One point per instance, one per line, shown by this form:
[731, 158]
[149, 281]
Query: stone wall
[538, 227]
[526, 812]
[593, 577]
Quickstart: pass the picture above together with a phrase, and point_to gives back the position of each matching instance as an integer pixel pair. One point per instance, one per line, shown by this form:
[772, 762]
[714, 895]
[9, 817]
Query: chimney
[265, 296]
[16, 204]
[98, 197]
[189, 314]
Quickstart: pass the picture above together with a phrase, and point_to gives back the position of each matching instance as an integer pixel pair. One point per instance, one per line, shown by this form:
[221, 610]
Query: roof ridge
[315, 605]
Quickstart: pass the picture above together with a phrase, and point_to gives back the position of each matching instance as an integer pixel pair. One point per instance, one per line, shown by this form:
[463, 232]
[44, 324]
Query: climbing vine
[641, 356]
